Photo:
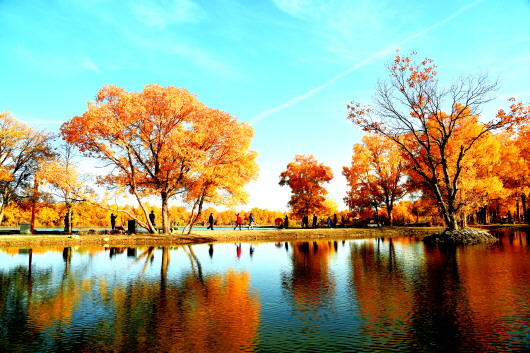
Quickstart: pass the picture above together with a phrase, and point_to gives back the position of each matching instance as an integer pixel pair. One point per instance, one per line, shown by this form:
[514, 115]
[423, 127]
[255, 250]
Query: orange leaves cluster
[360, 115]
[411, 72]
[436, 128]
[21, 149]
[518, 114]
[375, 175]
[227, 162]
[18, 144]
[305, 177]
[163, 141]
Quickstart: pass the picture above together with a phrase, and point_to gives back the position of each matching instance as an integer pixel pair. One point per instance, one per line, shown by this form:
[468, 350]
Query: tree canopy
[162, 141]
[376, 175]
[22, 148]
[412, 109]
[305, 177]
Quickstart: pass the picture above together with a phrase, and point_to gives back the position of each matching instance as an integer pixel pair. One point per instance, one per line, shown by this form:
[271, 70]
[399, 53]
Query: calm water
[373, 295]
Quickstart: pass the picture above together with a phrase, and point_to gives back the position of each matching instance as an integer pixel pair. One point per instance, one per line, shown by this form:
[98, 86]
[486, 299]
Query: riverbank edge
[219, 236]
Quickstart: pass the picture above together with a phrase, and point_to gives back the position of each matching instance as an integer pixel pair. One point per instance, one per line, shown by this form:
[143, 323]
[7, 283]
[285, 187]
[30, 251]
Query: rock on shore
[461, 236]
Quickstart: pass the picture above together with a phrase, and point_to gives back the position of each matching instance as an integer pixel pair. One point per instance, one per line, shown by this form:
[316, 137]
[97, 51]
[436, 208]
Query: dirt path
[199, 236]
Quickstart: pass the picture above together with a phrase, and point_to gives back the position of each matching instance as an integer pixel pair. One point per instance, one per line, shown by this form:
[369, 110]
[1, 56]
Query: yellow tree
[158, 141]
[413, 110]
[228, 166]
[21, 150]
[61, 176]
[375, 176]
[523, 143]
[479, 182]
[513, 166]
[305, 177]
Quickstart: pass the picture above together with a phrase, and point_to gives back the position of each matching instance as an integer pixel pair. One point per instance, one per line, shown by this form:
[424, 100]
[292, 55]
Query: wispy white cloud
[138, 27]
[385, 51]
[54, 63]
[163, 12]
[292, 7]
[44, 61]
[88, 64]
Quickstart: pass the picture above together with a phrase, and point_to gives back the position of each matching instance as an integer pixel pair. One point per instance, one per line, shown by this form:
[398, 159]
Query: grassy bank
[201, 236]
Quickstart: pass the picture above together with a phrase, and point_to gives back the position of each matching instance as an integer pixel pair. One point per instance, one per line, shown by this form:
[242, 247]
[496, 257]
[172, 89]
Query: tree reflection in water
[364, 295]
[309, 285]
[190, 313]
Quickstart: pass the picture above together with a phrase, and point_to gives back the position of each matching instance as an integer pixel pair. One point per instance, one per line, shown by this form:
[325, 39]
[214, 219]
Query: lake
[366, 295]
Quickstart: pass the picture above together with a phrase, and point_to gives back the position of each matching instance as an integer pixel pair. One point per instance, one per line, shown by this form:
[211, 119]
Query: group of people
[331, 223]
[305, 221]
[239, 221]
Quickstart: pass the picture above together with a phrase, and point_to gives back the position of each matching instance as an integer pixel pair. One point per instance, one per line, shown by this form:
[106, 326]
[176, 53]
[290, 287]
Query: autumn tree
[61, 177]
[228, 165]
[157, 142]
[375, 176]
[22, 148]
[480, 182]
[305, 177]
[513, 167]
[412, 109]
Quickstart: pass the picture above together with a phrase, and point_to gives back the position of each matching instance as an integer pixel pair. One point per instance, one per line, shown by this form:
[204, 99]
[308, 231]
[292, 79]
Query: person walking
[305, 221]
[152, 217]
[315, 219]
[210, 222]
[251, 221]
[239, 221]
[286, 222]
[113, 221]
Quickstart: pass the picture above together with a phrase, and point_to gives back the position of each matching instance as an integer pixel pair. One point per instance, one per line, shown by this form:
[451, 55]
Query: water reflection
[308, 285]
[355, 295]
[70, 311]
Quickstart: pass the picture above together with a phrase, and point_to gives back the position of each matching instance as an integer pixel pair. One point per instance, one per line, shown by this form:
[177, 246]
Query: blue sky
[288, 67]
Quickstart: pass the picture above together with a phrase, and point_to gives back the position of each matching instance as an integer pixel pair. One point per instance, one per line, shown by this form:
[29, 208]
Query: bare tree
[412, 109]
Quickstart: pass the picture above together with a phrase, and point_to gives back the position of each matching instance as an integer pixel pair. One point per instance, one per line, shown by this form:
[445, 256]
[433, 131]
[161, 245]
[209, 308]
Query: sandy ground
[225, 236]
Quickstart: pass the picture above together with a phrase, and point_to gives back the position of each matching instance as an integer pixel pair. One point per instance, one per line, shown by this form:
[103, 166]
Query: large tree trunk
[165, 213]
[199, 212]
[525, 212]
[193, 217]
[464, 219]
[447, 211]
[389, 209]
[2, 211]
[68, 219]
[147, 225]
[451, 222]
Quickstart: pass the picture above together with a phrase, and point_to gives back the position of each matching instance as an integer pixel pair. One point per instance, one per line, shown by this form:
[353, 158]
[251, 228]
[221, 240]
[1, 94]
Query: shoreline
[207, 236]
[218, 236]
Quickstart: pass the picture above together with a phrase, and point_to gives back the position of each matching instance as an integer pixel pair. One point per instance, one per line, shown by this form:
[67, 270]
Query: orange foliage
[427, 123]
[305, 177]
[21, 150]
[513, 168]
[163, 141]
[375, 175]
[228, 165]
